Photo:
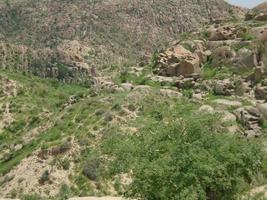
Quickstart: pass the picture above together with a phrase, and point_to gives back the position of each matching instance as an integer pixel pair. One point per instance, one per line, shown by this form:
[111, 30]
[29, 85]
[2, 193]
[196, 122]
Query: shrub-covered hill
[60, 140]
[190, 124]
[117, 31]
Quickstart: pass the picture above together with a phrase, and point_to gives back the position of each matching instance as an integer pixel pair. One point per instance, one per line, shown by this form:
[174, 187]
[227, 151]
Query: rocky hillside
[190, 123]
[118, 31]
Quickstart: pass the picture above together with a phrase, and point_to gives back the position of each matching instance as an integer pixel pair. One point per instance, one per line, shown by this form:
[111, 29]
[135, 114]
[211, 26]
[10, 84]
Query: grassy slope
[97, 121]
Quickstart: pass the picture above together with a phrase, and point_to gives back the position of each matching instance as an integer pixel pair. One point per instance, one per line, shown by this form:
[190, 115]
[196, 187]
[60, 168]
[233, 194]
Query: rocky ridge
[117, 32]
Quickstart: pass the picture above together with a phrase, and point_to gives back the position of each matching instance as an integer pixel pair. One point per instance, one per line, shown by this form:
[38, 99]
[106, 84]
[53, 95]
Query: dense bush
[188, 159]
[45, 177]
[91, 168]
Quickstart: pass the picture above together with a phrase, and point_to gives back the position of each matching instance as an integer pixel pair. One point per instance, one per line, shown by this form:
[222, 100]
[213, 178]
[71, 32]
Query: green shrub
[64, 192]
[45, 177]
[188, 93]
[91, 168]
[188, 159]
[32, 197]
[63, 71]
[65, 164]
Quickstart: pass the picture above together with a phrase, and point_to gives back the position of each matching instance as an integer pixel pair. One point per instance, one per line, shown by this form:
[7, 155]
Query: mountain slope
[188, 124]
[117, 30]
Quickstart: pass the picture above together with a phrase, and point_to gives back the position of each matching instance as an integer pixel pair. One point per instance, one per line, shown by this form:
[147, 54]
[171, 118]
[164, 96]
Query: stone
[222, 55]
[240, 87]
[225, 104]
[170, 93]
[224, 87]
[206, 109]
[261, 92]
[18, 147]
[263, 55]
[198, 47]
[258, 74]
[228, 117]
[127, 86]
[185, 83]
[222, 33]
[260, 33]
[177, 61]
[143, 89]
[263, 109]
[251, 119]
[163, 80]
[246, 59]
[197, 96]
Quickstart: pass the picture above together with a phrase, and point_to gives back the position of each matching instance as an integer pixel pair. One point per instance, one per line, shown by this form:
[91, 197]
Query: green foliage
[261, 47]
[137, 80]
[65, 164]
[32, 197]
[91, 168]
[45, 177]
[188, 93]
[153, 60]
[63, 71]
[205, 34]
[239, 46]
[247, 36]
[208, 72]
[39, 96]
[65, 192]
[187, 159]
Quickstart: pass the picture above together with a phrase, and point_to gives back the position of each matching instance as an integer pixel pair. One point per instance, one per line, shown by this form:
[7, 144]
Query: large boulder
[225, 103]
[260, 33]
[224, 87]
[198, 47]
[260, 72]
[177, 61]
[246, 59]
[250, 117]
[223, 55]
[226, 32]
[263, 109]
[263, 53]
[229, 87]
[261, 90]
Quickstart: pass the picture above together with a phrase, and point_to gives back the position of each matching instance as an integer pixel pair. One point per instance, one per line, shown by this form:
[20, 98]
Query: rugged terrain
[189, 122]
[117, 32]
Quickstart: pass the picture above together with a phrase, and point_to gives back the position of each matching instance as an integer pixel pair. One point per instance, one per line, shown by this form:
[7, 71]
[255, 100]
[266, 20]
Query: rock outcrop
[177, 61]
[251, 118]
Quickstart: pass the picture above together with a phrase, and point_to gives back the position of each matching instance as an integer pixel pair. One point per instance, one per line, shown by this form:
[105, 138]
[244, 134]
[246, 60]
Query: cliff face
[118, 31]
